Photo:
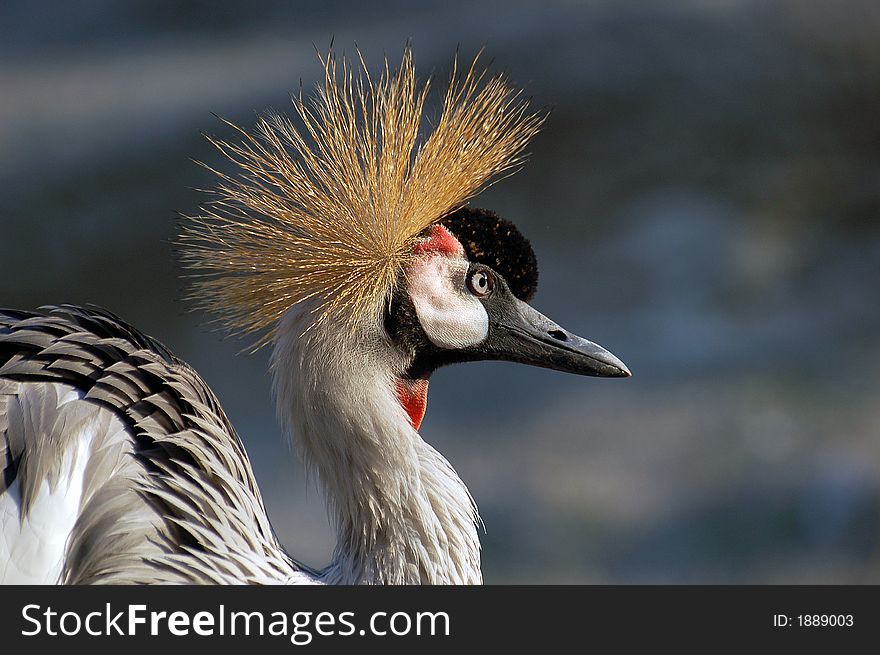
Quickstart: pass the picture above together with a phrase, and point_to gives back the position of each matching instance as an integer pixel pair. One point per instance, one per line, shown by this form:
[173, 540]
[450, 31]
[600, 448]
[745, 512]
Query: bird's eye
[481, 282]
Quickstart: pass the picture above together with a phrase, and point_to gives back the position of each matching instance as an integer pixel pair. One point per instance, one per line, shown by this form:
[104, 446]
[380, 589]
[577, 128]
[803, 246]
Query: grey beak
[522, 334]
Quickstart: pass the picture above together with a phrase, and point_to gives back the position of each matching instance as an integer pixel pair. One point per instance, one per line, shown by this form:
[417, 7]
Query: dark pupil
[482, 280]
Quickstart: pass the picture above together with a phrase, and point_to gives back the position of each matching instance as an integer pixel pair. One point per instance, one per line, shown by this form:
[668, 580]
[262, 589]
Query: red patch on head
[413, 397]
[440, 240]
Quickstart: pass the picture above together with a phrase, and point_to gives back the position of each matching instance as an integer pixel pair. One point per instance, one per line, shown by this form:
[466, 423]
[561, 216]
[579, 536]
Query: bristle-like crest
[331, 210]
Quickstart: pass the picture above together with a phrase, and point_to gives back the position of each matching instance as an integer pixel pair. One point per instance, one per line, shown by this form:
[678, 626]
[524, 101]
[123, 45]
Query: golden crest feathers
[331, 210]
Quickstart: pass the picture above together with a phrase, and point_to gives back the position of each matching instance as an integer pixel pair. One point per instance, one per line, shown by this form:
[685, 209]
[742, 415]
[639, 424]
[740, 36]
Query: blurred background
[704, 201]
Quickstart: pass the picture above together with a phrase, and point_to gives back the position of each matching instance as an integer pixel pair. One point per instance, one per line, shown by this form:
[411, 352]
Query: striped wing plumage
[118, 465]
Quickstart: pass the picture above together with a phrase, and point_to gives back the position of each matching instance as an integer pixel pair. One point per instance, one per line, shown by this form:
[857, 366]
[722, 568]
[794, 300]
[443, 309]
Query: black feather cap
[495, 242]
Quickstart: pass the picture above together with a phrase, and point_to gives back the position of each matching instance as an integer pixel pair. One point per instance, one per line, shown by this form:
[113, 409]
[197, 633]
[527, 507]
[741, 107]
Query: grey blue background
[704, 201]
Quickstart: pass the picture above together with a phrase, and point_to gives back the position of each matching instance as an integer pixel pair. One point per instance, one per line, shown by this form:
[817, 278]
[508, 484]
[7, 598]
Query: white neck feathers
[402, 514]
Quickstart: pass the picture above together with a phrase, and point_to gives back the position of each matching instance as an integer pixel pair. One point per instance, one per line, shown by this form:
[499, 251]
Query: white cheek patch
[449, 314]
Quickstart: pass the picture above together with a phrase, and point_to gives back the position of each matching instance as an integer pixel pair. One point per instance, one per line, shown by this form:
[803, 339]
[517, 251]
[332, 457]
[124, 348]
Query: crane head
[465, 297]
[358, 211]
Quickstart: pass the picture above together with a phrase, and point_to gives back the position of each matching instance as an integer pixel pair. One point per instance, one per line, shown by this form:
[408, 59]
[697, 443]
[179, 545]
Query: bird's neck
[402, 514]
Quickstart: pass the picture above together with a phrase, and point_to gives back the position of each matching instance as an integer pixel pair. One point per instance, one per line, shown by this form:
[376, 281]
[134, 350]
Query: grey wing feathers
[168, 492]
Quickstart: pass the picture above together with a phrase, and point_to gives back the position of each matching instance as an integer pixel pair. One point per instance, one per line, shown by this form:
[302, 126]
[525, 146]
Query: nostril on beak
[558, 335]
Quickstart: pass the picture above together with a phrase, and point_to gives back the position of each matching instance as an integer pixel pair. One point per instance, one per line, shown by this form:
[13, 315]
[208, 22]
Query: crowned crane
[347, 244]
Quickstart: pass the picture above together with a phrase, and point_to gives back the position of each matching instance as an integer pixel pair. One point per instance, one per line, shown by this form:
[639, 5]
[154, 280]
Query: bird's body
[360, 263]
[116, 458]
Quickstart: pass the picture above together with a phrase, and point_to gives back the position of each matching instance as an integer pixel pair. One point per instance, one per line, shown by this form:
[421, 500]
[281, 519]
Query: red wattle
[413, 397]
[441, 241]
